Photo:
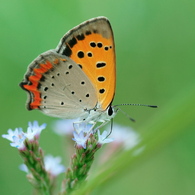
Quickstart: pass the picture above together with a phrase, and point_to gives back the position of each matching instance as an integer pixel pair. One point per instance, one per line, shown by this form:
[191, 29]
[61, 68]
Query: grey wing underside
[66, 91]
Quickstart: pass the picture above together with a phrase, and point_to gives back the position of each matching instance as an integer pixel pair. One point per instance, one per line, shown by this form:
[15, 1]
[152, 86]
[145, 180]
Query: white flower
[83, 127]
[80, 138]
[53, 166]
[17, 138]
[11, 133]
[64, 127]
[102, 139]
[125, 136]
[34, 130]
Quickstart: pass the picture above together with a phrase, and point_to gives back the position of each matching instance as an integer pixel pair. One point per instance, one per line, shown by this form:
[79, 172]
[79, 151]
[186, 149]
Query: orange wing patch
[95, 54]
[91, 46]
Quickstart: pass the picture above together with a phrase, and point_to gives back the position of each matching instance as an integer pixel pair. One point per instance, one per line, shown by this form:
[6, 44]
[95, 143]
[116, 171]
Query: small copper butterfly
[77, 79]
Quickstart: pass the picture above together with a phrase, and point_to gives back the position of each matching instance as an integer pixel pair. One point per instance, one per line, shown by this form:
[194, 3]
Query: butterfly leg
[103, 124]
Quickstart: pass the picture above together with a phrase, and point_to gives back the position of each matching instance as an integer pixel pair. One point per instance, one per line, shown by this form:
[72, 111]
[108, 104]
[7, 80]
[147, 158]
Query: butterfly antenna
[151, 106]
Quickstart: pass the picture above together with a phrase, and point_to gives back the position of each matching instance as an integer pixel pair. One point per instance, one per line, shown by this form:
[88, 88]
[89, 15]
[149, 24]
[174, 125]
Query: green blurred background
[155, 47]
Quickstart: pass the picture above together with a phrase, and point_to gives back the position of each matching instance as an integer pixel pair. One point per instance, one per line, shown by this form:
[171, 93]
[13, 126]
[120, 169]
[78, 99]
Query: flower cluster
[42, 170]
[17, 137]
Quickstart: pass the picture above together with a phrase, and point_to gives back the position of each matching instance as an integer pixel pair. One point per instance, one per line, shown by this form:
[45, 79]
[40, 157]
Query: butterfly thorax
[98, 115]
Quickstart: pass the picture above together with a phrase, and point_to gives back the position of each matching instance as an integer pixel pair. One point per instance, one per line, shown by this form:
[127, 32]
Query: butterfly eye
[110, 111]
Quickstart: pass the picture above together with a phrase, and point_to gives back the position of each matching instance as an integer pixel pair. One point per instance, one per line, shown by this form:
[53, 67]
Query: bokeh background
[155, 48]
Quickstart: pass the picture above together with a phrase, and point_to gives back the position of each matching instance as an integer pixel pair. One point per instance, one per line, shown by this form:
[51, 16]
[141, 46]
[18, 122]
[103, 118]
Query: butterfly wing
[91, 45]
[58, 87]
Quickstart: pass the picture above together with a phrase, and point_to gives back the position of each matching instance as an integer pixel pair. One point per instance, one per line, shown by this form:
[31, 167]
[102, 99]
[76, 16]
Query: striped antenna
[127, 104]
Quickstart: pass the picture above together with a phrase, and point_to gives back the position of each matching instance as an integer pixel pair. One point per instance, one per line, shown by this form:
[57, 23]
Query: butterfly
[78, 78]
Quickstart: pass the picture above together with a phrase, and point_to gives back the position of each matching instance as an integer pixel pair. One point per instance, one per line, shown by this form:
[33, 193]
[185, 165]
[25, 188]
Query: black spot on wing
[100, 64]
[102, 91]
[92, 44]
[80, 54]
[101, 79]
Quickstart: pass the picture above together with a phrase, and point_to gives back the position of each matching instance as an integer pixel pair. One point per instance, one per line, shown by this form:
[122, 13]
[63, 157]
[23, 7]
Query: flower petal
[102, 139]
[80, 138]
